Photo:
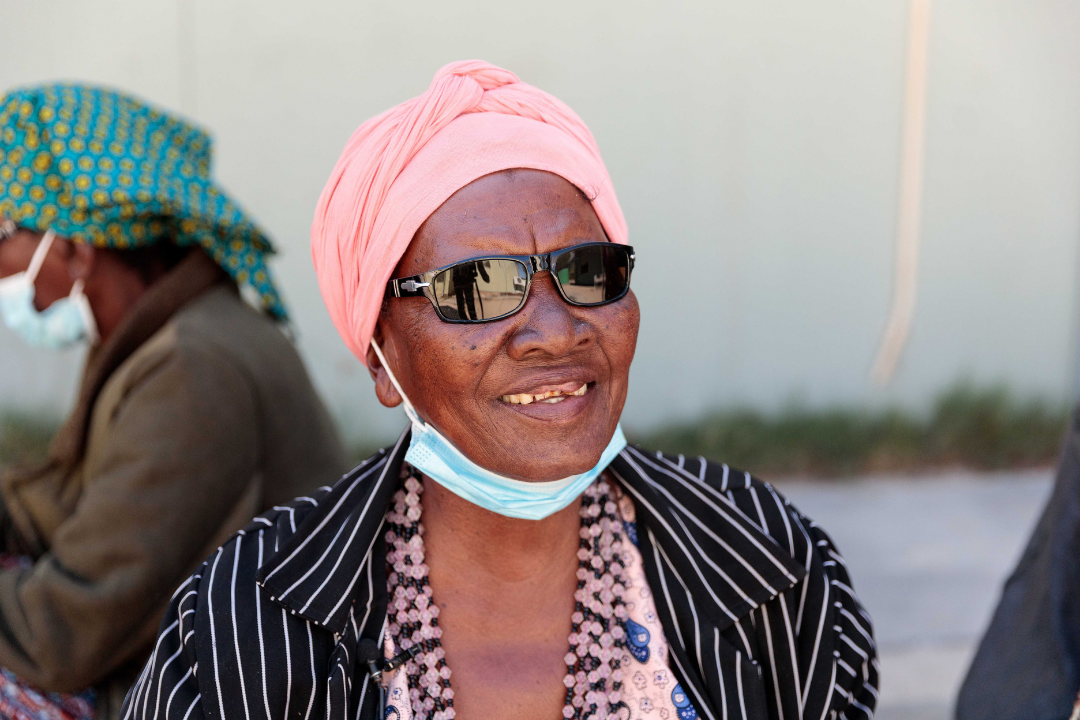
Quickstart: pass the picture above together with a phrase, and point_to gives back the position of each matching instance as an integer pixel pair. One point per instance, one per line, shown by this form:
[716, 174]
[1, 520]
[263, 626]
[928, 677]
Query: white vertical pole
[909, 205]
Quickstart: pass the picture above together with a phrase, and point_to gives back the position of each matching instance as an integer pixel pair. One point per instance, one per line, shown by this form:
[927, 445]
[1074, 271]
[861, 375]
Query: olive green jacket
[194, 416]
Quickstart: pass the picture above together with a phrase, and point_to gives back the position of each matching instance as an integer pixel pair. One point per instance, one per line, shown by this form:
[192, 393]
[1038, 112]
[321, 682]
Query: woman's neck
[505, 591]
[477, 543]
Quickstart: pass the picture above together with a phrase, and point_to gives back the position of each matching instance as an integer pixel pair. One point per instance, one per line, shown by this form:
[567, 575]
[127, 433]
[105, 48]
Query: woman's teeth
[555, 396]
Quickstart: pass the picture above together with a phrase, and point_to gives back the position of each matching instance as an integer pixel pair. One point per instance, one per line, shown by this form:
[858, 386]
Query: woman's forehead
[518, 212]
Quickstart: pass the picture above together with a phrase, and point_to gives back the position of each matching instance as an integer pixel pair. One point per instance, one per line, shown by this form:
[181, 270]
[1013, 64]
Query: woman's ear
[384, 388]
[80, 260]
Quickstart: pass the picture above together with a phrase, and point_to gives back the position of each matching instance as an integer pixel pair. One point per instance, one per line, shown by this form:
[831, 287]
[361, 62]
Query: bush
[982, 429]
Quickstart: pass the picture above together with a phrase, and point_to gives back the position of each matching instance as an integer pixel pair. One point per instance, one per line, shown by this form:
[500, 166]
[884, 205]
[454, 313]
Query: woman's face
[54, 280]
[460, 376]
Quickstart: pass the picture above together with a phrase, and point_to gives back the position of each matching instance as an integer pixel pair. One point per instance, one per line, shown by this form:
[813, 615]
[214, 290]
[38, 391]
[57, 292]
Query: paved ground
[928, 557]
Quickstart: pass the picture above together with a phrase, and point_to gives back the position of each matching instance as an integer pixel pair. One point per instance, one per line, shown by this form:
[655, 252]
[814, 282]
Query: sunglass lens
[480, 289]
[594, 274]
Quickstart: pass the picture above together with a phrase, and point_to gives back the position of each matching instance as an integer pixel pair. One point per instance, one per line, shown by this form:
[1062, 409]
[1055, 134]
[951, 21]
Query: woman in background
[195, 412]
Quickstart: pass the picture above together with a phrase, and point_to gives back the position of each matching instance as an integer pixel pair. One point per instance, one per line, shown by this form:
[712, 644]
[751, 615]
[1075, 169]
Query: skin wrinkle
[505, 586]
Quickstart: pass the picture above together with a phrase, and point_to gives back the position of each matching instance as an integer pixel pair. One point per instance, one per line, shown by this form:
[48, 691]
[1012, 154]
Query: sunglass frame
[420, 285]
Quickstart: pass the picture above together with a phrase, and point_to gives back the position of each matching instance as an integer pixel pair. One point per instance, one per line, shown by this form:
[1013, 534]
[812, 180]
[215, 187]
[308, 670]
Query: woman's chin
[550, 459]
[548, 472]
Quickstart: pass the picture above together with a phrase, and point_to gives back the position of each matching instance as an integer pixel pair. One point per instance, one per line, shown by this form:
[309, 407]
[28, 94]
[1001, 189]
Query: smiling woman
[510, 556]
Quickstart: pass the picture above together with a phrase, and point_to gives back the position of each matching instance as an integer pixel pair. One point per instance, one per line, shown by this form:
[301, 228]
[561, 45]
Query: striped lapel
[318, 573]
[727, 563]
[708, 566]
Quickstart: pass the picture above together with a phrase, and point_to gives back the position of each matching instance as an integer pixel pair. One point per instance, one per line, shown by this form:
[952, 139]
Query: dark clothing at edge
[1028, 664]
[194, 416]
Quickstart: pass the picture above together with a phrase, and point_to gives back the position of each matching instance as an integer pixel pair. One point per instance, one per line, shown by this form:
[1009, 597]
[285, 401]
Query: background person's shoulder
[220, 314]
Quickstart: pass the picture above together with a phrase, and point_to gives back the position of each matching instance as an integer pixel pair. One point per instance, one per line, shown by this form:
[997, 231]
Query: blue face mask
[63, 324]
[435, 456]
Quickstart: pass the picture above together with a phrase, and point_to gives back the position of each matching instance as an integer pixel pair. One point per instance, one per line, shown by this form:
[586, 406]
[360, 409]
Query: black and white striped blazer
[755, 601]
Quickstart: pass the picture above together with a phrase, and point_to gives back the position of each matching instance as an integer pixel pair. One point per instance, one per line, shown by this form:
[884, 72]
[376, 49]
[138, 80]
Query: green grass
[972, 427]
[24, 438]
[979, 428]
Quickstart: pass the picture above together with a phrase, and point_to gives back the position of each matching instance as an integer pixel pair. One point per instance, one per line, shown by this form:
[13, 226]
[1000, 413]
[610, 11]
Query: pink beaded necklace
[597, 651]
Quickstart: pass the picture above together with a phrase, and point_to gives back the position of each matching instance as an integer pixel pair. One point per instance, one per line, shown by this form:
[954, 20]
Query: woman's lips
[549, 397]
[566, 405]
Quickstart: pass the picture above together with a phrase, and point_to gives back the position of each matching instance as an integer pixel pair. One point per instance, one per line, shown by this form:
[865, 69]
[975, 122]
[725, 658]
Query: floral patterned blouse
[650, 692]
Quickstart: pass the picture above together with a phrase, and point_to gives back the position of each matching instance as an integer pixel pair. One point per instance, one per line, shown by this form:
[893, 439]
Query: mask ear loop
[409, 409]
[39, 255]
[89, 321]
[32, 271]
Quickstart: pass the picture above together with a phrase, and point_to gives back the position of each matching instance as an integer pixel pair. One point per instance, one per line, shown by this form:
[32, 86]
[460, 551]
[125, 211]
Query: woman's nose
[547, 325]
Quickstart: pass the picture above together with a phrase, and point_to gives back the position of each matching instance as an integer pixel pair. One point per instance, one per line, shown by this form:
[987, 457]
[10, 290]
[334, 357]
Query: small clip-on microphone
[367, 652]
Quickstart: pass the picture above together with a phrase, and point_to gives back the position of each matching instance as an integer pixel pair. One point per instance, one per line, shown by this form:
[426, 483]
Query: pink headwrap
[400, 166]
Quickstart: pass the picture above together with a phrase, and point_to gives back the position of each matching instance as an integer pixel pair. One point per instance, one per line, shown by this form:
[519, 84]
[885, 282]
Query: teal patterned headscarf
[106, 169]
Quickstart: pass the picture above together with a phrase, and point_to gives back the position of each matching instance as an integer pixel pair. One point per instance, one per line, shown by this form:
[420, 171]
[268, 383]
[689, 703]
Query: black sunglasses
[491, 288]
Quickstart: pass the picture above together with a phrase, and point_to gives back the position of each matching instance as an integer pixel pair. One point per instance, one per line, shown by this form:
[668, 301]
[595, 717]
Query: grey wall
[754, 147]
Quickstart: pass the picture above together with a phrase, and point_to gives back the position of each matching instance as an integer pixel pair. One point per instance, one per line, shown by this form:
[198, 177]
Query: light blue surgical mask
[435, 456]
[64, 323]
